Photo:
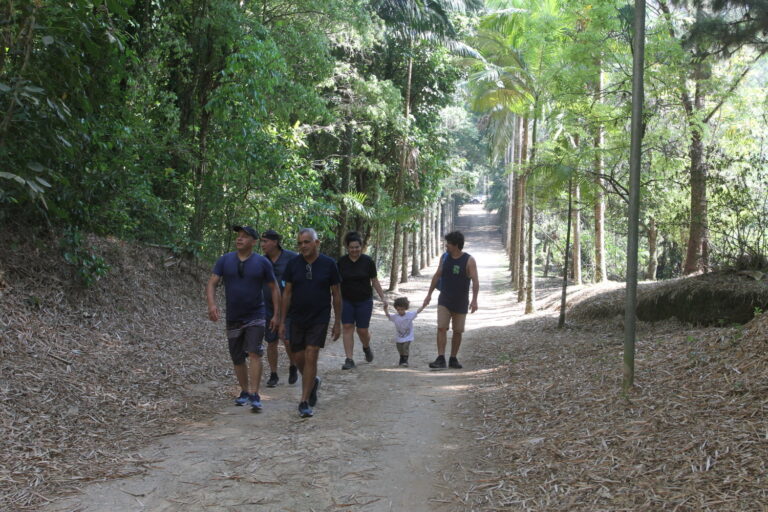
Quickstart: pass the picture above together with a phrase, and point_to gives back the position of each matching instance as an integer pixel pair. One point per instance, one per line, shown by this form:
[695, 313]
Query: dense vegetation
[164, 122]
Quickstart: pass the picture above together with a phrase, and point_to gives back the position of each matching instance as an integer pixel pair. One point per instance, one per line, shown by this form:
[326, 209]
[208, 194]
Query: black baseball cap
[248, 229]
[272, 235]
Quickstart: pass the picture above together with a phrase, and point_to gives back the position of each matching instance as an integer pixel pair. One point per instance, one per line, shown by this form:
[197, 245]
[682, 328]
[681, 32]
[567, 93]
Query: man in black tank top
[456, 270]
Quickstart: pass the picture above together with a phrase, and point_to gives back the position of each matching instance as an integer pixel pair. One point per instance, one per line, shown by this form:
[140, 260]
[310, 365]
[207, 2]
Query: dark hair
[352, 236]
[455, 238]
[402, 302]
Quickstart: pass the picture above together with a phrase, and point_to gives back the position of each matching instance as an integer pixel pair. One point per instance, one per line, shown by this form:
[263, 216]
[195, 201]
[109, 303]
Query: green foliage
[89, 267]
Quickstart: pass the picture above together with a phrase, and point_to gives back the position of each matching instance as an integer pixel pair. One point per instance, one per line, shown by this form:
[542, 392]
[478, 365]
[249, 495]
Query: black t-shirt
[356, 277]
[311, 289]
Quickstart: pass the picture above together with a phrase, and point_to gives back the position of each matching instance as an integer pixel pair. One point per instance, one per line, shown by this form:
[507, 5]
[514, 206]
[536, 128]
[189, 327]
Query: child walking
[403, 321]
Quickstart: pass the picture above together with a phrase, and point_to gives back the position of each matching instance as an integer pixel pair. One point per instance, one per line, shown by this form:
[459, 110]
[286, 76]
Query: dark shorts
[308, 336]
[358, 313]
[271, 336]
[248, 341]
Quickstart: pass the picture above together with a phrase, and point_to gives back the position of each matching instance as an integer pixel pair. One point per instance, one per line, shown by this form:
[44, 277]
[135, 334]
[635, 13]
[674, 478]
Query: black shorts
[247, 341]
[271, 336]
[308, 336]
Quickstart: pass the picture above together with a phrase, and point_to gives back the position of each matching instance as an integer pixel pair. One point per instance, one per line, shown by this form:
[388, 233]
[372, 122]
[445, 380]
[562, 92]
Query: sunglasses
[308, 275]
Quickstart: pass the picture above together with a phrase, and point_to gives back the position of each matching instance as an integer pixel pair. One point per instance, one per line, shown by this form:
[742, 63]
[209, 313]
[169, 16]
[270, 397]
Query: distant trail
[383, 438]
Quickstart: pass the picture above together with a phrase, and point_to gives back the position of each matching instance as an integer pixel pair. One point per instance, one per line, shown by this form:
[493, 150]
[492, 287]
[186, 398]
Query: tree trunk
[521, 280]
[395, 267]
[404, 259]
[548, 251]
[601, 274]
[697, 237]
[564, 293]
[576, 220]
[424, 240]
[519, 210]
[653, 234]
[346, 180]
[415, 253]
[530, 292]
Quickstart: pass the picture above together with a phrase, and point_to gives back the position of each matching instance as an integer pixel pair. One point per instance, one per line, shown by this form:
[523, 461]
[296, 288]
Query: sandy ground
[383, 438]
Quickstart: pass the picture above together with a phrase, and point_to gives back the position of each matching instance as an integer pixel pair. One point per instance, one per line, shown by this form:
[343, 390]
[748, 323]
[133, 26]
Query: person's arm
[472, 271]
[420, 310]
[336, 293]
[377, 286]
[286, 303]
[386, 311]
[433, 284]
[274, 323]
[210, 295]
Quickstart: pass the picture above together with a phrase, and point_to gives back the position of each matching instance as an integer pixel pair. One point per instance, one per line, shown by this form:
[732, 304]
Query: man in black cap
[271, 248]
[245, 274]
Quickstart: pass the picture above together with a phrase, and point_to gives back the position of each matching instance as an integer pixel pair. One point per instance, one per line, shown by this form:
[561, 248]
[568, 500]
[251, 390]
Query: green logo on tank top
[456, 270]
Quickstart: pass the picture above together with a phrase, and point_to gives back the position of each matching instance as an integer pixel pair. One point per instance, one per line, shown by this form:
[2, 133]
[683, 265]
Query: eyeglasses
[241, 269]
[308, 275]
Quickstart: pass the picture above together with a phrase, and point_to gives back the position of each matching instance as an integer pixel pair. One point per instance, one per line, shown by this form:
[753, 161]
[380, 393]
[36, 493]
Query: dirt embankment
[89, 375]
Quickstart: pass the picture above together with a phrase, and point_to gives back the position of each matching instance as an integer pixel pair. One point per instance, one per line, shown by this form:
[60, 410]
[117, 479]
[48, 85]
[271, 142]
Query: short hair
[311, 232]
[402, 302]
[455, 238]
[352, 236]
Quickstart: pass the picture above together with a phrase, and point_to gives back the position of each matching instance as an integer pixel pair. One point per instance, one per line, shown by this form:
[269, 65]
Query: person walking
[403, 322]
[272, 250]
[457, 268]
[358, 280]
[245, 274]
[311, 286]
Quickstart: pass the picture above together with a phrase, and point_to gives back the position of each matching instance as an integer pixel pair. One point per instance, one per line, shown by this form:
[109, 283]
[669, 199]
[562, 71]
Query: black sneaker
[313, 393]
[348, 364]
[438, 363]
[368, 354]
[403, 361]
[272, 382]
[255, 403]
[453, 363]
[293, 374]
[305, 411]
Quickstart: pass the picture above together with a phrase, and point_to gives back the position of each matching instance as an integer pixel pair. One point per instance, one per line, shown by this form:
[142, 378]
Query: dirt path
[383, 438]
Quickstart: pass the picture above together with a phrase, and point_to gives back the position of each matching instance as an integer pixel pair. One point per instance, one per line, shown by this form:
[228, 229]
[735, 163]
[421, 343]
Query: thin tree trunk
[548, 251]
[519, 209]
[564, 295]
[576, 220]
[395, 267]
[521, 279]
[424, 240]
[346, 180]
[601, 274]
[653, 260]
[698, 180]
[415, 253]
[404, 258]
[530, 292]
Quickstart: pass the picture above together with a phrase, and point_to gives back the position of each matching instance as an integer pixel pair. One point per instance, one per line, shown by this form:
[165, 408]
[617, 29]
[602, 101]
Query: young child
[403, 321]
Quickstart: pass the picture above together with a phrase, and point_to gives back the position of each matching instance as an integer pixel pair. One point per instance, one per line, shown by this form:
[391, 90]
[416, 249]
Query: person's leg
[442, 340]
[455, 343]
[443, 322]
[348, 336]
[272, 356]
[254, 373]
[309, 372]
[241, 373]
[365, 337]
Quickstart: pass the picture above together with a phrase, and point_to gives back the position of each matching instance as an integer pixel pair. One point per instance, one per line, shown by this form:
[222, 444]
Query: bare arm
[386, 310]
[433, 284]
[379, 290]
[336, 293]
[210, 296]
[472, 271]
[286, 300]
[275, 321]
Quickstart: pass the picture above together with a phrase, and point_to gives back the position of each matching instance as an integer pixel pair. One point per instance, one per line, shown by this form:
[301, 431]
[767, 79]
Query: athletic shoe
[454, 363]
[313, 393]
[255, 403]
[368, 354]
[305, 411]
[293, 374]
[348, 364]
[403, 361]
[438, 363]
[272, 382]
[243, 399]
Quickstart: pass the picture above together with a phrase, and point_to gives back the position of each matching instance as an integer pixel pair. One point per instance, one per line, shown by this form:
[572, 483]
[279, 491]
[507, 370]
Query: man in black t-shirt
[311, 286]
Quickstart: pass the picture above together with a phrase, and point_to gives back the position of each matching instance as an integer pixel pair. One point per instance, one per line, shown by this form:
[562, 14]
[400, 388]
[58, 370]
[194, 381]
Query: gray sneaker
[368, 354]
[348, 364]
